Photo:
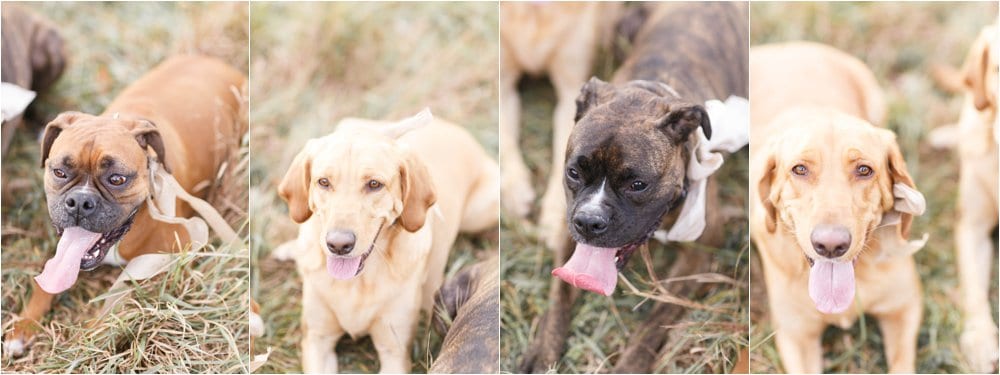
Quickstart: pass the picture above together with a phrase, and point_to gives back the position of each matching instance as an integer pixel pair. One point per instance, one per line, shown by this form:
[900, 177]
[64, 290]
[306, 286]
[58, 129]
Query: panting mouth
[345, 268]
[596, 269]
[78, 250]
[93, 257]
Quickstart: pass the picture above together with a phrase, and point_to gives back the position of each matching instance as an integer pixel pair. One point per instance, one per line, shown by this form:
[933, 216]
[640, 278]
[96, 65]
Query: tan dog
[561, 41]
[380, 210]
[832, 203]
[977, 199]
[97, 172]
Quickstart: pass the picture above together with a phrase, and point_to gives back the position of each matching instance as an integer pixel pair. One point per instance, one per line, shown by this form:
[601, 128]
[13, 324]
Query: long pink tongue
[342, 268]
[61, 271]
[831, 286]
[590, 268]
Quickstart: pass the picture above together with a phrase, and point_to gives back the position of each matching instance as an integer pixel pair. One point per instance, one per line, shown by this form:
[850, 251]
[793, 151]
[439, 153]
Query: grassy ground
[601, 325]
[900, 42]
[190, 319]
[313, 64]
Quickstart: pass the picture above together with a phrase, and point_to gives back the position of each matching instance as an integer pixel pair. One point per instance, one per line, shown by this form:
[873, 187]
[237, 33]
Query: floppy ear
[294, 187]
[418, 193]
[974, 72]
[591, 95]
[147, 135]
[764, 193]
[685, 118]
[899, 175]
[53, 129]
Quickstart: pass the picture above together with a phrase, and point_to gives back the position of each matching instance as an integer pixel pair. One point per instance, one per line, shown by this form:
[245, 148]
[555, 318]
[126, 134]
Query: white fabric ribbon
[907, 200]
[15, 100]
[731, 129]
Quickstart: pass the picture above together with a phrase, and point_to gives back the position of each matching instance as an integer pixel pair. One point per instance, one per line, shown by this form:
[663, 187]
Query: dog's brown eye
[865, 171]
[323, 182]
[638, 185]
[117, 180]
[374, 185]
[573, 174]
[800, 170]
[59, 173]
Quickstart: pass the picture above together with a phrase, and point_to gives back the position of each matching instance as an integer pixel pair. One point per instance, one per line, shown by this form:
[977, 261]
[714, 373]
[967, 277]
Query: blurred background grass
[705, 341]
[315, 63]
[900, 42]
[194, 317]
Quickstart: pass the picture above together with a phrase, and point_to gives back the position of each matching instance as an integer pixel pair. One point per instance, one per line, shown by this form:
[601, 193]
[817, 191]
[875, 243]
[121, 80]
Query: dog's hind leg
[550, 337]
[483, 205]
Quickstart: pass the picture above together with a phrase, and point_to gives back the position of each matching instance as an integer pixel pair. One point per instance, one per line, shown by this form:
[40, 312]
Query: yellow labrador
[977, 199]
[380, 206]
[832, 204]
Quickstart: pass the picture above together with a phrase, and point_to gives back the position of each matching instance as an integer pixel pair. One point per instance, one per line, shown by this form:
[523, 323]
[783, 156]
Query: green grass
[193, 317]
[313, 64]
[601, 326]
[900, 42]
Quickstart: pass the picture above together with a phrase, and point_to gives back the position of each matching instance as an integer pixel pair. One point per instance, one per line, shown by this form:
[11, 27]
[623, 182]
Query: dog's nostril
[70, 202]
[340, 242]
[831, 241]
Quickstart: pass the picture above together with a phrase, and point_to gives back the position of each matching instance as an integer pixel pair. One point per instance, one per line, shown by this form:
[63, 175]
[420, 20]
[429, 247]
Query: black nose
[80, 203]
[830, 241]
[590, 224]
[340, 242]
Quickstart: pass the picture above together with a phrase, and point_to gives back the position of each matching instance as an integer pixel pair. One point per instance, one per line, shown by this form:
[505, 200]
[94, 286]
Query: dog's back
[197, 99]
[810, 74]
[699, 49]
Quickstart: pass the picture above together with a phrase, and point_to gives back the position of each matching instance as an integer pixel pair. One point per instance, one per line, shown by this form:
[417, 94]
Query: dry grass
[600, 328]
[190, 319]
[313, 64]
[900, 42]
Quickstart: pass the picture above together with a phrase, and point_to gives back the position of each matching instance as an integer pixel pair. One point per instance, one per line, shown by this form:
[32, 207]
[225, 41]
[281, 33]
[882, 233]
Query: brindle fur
[700, 50]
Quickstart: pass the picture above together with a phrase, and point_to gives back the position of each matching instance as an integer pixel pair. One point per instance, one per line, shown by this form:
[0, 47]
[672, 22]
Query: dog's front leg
[515, 180]
[549, 341]
[320, 333]
[974, 253]
[568, 76]
[391, 335]
[899, 332]
[798, 339]
[16, 343]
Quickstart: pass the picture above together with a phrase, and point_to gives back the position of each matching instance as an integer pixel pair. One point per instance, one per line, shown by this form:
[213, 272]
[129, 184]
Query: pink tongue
[831, 286]
[342, 268]
[61, 271]
[590, 268]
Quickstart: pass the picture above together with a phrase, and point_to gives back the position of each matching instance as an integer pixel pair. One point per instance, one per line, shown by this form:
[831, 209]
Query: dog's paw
[515, 188]
[14, 347]
[552, 226]
[979, 345]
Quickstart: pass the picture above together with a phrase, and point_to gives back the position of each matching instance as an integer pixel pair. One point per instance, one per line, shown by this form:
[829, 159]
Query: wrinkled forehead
[99, 138]
[356, 156]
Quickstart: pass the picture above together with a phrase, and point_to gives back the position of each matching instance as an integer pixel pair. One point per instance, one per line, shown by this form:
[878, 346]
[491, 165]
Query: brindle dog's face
[95, 169]
[626, 160]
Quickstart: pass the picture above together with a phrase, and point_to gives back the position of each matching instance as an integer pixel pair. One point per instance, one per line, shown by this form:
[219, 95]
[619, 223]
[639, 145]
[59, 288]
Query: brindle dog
[33, 56]
[627, 158]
